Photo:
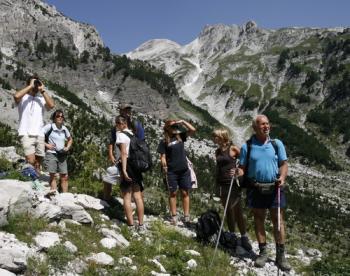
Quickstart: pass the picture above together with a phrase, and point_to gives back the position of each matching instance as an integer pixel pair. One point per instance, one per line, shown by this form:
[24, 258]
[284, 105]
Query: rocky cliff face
[232, 71]
[35, 37]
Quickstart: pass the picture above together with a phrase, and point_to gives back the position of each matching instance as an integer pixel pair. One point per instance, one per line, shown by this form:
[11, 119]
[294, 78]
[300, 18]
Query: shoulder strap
[47, 134]
[128, 134]
[275, 147]
[249, 148]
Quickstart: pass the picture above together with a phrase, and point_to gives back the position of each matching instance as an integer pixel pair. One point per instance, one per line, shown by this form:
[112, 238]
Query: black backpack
[208, 224]
[139, 157]
[246, 182]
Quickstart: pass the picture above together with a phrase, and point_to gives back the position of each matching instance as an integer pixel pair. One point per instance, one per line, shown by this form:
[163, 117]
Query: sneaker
[141, 229]
[173, 220]
[261, 259]
[245, 243]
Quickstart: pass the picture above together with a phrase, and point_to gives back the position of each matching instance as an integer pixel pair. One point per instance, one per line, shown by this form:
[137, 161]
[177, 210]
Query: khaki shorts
[55, 164]
[33, 145]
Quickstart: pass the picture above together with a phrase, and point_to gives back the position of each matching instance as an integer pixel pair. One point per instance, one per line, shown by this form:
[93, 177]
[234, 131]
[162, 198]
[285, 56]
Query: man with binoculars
[31, 101]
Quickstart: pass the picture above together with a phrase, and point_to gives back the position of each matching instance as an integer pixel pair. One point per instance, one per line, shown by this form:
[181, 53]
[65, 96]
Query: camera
[37, 83]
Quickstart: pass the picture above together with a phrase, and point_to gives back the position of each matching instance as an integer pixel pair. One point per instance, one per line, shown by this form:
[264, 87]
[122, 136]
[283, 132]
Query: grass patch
[25, 227]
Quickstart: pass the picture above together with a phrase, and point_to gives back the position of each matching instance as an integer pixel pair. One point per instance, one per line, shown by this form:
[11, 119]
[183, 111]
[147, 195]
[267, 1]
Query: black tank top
[224, 163]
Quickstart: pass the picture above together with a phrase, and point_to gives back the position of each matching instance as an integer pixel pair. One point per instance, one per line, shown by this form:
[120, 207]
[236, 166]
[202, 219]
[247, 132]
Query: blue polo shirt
[263, 162]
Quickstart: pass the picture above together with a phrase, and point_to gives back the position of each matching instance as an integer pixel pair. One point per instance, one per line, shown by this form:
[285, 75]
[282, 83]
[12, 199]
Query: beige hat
[124, 106]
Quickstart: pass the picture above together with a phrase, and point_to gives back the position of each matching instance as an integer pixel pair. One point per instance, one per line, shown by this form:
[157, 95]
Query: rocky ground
[65, 209]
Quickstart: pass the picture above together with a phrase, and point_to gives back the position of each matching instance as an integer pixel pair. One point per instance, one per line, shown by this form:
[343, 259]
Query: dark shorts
[179, 179]
[135, 184]
[257, 200]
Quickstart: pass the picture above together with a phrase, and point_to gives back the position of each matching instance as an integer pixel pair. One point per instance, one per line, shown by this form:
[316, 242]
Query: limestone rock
[15, 197]
[13, 253]
[101, 259]
[45, 240]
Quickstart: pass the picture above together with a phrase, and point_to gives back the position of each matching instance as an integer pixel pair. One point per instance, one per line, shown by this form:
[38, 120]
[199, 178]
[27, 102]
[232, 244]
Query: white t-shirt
[122, 138]
[31, 112]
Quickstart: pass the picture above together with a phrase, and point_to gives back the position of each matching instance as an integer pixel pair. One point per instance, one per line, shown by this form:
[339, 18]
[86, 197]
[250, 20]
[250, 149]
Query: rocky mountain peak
[29, 20]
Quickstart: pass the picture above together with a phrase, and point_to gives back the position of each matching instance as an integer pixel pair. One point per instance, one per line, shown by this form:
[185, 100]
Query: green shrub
[7, 136]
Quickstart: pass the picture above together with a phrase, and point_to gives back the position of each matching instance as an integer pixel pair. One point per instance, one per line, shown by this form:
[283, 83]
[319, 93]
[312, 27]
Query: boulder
[13, 253]
[89, 202]
[101, 259]
[9, 153]
[15, 197]
[45, 240]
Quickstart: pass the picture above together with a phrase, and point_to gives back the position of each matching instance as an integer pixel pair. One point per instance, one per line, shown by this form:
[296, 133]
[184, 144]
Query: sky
[126, 24]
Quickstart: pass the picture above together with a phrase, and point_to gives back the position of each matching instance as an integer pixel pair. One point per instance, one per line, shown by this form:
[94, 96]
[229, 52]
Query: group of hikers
[260, 165]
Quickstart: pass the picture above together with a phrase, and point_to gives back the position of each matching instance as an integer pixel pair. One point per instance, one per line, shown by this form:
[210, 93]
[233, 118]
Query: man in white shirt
[31, 101]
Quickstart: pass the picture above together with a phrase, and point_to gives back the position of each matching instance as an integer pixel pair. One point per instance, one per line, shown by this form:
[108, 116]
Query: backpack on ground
[139, 157]
[247, 182]
[208, 225]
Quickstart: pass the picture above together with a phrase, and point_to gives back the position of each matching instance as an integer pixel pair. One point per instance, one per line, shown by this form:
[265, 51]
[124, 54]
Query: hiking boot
[281, 261]
[245, 243]
[262, 258]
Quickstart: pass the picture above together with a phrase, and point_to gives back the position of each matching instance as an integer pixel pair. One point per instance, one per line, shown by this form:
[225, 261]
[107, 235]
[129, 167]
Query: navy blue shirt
[175, 153]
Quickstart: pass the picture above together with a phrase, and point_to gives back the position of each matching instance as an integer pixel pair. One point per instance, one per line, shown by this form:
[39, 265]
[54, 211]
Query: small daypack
[139, 157]
[246, 182]
[208, 225]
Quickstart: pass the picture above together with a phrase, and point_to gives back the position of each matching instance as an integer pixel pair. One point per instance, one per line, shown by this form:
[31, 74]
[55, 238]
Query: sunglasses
[59, 116]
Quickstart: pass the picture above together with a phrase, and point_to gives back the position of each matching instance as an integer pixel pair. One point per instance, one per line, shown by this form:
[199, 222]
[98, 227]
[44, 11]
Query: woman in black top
[174, 164]
[226, 157]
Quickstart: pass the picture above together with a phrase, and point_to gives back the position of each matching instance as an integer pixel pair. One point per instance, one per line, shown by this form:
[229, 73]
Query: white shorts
[112, 175]
[33, 145]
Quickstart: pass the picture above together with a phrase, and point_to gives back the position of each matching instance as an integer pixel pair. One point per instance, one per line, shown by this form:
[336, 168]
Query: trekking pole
[279, 208]
[223, 217]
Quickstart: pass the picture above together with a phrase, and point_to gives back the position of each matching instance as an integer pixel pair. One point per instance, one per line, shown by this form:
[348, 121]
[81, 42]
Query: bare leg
[259, 223]
[279, 235]
[37, 165]
[185, 202]
[139, 206]
[107, 191]
[53, 184]
[240, 218]
[64, 183]
[31, 159]
[172, 203]
[127, 207]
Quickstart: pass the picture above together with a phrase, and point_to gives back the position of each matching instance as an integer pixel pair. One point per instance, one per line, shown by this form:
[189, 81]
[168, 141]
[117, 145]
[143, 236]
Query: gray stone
[13, 253]
[9, 153]
[108, 233]
[4, 272]
[45, 240]
[48, 211]
[101, 258]
[70, 247]
[108, 243]
[15, 198]
[125, 261]
[89, 202]
[191, 264]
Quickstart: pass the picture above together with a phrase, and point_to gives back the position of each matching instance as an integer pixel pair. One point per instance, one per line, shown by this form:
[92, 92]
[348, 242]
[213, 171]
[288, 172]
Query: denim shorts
[179, 179]
[257, 200]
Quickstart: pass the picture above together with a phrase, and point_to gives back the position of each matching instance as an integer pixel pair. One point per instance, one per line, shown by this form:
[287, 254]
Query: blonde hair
[223, 134]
